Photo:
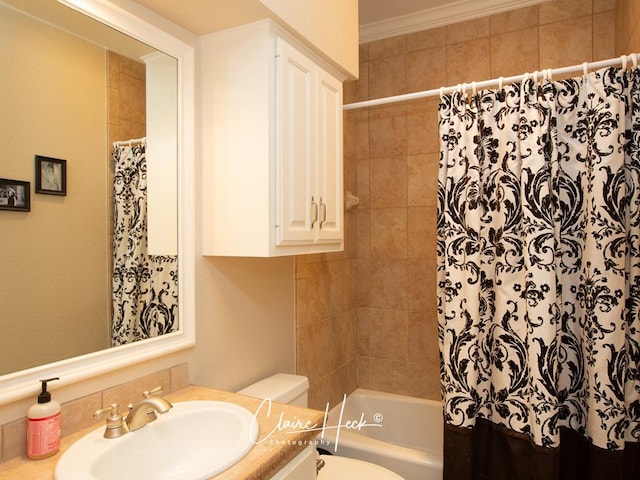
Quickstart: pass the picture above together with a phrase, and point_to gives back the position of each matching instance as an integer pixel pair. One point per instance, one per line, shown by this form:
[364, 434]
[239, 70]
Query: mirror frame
[25, 383]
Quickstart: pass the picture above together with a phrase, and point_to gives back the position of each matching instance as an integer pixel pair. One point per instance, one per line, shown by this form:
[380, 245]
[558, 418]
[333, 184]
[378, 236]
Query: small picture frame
[15, 195]
[51, 175]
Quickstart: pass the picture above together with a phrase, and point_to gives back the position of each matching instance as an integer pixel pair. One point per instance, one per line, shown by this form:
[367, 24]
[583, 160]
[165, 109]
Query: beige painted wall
[245, 320]
[393, 151]
[330, 25]
[53, 267]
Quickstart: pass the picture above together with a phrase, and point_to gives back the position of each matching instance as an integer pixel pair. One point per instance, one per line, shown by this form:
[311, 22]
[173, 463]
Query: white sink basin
[193, 440]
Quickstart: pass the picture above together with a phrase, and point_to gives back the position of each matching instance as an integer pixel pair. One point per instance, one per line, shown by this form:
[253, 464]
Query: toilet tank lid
[281, 387]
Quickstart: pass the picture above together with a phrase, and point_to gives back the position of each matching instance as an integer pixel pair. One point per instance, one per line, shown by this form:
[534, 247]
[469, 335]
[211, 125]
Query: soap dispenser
[43, 425]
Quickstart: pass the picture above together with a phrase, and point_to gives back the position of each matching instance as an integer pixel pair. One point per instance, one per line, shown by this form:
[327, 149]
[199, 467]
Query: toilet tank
[281, 387]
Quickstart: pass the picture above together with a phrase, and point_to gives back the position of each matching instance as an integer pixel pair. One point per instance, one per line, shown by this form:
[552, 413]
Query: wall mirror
[56, 259]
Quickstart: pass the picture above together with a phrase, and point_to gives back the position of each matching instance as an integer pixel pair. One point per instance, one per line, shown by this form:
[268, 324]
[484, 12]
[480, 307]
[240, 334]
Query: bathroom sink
[193, 440]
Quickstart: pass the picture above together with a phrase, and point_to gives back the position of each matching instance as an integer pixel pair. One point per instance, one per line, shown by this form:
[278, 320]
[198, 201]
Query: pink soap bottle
[43, 425]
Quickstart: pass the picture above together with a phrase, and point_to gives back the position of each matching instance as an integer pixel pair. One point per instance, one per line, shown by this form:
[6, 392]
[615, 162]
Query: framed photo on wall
[15, 195]
[51, 175]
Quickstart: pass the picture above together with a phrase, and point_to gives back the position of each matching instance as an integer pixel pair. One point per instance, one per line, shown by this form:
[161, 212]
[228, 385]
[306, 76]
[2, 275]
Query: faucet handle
[116, 427]
[113, 409]
[153, 391]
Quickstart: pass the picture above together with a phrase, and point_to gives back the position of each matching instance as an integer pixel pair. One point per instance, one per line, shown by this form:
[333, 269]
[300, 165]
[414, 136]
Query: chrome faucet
[145, 412]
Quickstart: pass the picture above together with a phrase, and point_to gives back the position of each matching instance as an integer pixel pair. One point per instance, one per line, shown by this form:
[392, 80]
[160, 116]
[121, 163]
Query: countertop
[262, 461]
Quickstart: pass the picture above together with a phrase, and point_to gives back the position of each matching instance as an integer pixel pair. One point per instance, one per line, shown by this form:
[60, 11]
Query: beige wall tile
[313, 361]
[389, 232]
[421, 224]
[364, 372]
[420, 284]
[558, 10]
[388, 375]
[388, 283]
[389, 331]
[387, 76]
[604, 36]
[469, 30]
[312, 295]
[426, 69]
[364, 281]
[514, 53]
[14, 439]
[387, 132]
[79, 413]
[603, 5]
[388, 182]
[566, 43]
[435, 37]
[469, 61]
[388, 47]
[131, 392]
[417, 387]
[423, 345]
[341, 286]
[362, 189]
[422, 130]
[513, 20]
[364, 331]
[364, 239]
[179, 376]
[422, 179]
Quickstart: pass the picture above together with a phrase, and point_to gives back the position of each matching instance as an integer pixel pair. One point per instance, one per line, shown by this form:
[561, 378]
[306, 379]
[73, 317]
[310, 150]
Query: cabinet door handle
[314, 212]
[323, 212]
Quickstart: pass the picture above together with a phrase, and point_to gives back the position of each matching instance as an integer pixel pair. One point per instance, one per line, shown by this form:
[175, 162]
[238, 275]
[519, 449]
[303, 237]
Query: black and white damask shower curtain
[539, 279]
[145, 287]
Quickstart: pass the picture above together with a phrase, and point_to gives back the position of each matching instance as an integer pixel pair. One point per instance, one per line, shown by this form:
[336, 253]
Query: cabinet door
[296, 204]
[329, 151]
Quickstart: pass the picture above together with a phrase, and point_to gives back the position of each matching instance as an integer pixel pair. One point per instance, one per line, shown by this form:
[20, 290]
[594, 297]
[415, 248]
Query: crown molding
[459, 11]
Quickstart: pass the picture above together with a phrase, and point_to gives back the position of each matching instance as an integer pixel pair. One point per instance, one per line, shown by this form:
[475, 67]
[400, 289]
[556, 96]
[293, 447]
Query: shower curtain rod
[548, 73]
[130, 142]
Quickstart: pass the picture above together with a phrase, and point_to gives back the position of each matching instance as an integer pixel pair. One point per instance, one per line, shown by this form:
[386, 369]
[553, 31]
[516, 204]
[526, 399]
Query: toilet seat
[343, 468]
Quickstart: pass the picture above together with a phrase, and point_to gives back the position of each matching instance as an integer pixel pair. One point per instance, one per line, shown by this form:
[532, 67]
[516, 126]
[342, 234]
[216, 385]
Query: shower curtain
[539, 279]
[145, 287]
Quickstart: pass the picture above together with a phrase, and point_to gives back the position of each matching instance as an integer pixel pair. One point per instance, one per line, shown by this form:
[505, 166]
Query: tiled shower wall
[627, 27]
[391, 163]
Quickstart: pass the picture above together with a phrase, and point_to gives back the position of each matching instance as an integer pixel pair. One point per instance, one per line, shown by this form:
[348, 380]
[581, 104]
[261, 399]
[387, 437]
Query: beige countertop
[262, 461]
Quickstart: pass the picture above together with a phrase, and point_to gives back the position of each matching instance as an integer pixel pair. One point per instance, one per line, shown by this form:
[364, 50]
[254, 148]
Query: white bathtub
[403, 434]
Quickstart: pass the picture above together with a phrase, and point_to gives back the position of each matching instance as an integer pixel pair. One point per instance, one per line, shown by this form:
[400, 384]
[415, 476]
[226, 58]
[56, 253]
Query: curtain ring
[550, 74]
[623, 58]
[473, 88]
[634, 59]
[500, 82]
[585, 72]
[441, 93]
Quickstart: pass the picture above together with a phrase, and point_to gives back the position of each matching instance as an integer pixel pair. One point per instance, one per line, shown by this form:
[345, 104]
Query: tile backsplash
[78, 414]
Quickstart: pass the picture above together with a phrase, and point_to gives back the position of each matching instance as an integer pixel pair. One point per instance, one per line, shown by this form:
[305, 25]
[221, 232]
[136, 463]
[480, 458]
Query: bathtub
[403, 434]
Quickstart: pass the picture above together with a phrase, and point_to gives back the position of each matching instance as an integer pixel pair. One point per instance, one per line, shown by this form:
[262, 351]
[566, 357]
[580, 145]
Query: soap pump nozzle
[44, 395]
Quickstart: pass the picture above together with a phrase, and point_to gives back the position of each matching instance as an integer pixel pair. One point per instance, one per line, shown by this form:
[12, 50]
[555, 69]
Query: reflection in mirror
[70, 88]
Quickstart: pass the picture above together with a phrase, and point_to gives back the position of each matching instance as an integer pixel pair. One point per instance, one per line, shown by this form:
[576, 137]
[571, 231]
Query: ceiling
[378, 18]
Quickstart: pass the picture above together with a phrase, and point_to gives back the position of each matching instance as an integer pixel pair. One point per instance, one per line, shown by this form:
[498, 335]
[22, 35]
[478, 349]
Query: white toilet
[292, 390]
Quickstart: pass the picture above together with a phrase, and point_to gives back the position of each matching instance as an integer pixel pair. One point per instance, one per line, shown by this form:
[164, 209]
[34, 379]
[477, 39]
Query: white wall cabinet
[272, 145]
